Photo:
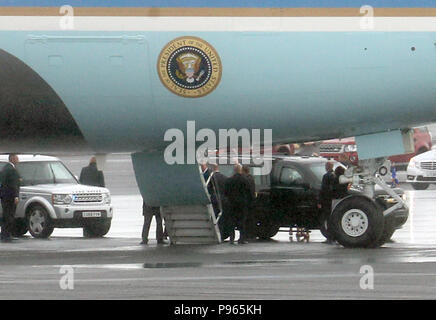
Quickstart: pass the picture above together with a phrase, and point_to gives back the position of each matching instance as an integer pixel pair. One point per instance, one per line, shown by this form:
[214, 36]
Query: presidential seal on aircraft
[189, 67]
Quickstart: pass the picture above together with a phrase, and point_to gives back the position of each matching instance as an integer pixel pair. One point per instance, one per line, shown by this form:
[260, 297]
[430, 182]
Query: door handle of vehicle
[23, 197]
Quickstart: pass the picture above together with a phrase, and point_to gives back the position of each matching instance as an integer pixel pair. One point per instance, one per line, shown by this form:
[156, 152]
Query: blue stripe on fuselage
[224, 3]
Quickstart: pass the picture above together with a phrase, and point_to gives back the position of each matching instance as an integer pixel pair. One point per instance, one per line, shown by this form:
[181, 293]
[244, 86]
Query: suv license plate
[91, 214]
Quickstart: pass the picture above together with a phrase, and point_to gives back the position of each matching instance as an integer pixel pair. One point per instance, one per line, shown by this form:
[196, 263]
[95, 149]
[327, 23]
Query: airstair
[195, 224]
[192, 224]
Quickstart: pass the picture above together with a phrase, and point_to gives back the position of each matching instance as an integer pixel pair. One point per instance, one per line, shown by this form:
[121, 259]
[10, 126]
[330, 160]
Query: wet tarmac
[68, 266]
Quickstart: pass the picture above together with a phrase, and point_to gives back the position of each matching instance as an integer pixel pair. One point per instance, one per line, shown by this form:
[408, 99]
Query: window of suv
[61, 174]
[44, 172]
[291, 177]
[319, 169]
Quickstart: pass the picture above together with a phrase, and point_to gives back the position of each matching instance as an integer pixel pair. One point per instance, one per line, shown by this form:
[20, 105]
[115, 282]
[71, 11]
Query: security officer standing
[238, 193]
[216, 188]
[327, 193]
[9, 194]
[327, 185]
[91, 176]
[246, 173]
[148, 213]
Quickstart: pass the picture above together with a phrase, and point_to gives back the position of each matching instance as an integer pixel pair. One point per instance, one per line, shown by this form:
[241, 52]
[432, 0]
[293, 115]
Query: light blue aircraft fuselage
[306, 86]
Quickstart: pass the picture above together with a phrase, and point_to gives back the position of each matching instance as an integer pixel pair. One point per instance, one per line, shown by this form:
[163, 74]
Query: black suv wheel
[420, 186]
[262, 227]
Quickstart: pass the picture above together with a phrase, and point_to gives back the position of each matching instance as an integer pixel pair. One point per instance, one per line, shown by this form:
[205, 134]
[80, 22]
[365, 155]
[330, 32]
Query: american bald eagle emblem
[189, 67]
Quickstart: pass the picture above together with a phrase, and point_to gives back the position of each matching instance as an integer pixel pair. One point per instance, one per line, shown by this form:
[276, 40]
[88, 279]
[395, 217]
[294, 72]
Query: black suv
[288, 197]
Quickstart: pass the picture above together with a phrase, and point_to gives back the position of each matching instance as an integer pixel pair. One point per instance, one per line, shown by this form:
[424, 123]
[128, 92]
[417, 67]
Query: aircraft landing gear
[359, 220]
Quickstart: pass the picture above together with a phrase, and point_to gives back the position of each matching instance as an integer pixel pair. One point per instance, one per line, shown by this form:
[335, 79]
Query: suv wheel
[420, 186]
[357, 222]
[39, 222]
[264, 229]
[96, 229]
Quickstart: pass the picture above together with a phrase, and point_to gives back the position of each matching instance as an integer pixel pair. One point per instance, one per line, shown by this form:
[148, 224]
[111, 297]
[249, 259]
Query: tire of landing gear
[388, 231]
[357, 222]
[389, 226]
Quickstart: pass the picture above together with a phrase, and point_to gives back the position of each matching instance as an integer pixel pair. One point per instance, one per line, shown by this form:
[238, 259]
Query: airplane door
[104, 80]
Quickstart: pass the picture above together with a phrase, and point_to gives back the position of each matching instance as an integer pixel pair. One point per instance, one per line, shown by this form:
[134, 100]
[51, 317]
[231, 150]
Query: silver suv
[51, 197]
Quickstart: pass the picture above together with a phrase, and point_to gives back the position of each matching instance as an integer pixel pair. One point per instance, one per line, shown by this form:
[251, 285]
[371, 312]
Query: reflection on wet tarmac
[381, 258]
[165, 265]
[161, 265]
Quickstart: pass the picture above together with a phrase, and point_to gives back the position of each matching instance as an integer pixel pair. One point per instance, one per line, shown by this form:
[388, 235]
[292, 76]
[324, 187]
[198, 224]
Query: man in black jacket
[9, 194]
[250, 178]
[91, 176]
[238, 193]
[216, 188]
[327, 194]
[246, 173]
[327, 187]
[148, 212]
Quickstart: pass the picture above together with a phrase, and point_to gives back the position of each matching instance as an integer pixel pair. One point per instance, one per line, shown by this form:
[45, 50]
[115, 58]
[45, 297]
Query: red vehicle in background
[340, 149]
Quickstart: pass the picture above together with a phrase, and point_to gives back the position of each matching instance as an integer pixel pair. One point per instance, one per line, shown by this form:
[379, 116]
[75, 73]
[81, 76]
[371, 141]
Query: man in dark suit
[326, 194]
[238, 193]
[246, 173]
[250, 178]
[216, 189]
[91, 176]
[148, 213]
[9, 194]
[205, 171]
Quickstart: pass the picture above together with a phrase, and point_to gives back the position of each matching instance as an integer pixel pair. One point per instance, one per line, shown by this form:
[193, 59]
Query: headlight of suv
[106, 198]
[413, 163]
[350, 148]
[61, 198]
